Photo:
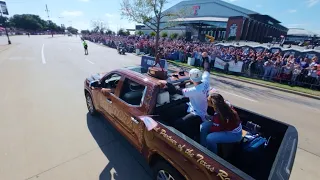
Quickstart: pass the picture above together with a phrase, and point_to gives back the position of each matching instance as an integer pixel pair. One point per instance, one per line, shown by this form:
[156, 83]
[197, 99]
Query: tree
[151, 13]
[164, 34]
[72, 30]
[127, 32]
[98, 26]
[109, 31]
[28, 22]
[140, 33]
[121, 32]
[4, 21]
[85, 32]
[153, 34]
[33, 22]
[52, 26]
[173, 36]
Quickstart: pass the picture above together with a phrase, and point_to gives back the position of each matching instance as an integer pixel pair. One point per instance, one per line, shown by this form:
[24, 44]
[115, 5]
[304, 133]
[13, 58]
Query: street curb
[267, 86]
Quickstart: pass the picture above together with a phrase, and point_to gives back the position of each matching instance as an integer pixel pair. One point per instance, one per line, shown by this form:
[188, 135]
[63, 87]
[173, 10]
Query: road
[45, 132]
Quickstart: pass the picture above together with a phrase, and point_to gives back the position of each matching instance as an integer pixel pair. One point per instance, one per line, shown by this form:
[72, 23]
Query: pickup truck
[142, 111]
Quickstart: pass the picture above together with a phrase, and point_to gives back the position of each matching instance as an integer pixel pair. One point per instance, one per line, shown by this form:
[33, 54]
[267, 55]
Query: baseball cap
[195, 75]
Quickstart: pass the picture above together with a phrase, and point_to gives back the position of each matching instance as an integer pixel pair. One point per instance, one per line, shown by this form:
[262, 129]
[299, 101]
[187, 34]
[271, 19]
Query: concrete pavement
[46, 133]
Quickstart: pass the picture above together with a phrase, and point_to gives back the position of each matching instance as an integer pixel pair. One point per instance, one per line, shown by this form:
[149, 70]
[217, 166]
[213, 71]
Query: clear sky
[80, 13]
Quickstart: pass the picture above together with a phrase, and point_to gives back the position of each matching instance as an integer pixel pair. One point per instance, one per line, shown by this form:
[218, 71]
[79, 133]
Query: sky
[81, 13]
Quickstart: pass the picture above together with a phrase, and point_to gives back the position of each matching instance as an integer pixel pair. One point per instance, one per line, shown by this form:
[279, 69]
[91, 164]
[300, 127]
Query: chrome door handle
[109, 101]
[134, 120]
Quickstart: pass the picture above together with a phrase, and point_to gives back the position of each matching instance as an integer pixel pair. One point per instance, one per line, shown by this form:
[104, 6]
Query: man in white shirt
[197, 107]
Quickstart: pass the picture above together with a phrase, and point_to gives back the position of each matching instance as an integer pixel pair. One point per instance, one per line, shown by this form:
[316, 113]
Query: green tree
[72, 30]
[28, 22]
[121, 32]
[153, 34]
[174, 35]
[4, 21]
[52, 26]
[109, 31]
[151, 13]
[85, 32]
[127, 32]
[164, 34]
[140, 33]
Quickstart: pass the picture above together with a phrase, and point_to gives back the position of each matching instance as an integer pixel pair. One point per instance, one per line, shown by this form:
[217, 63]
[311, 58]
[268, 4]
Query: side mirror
[95, 84]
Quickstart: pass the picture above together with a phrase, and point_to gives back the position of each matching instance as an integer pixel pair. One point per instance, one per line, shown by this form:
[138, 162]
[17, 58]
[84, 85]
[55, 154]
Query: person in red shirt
[225, 126]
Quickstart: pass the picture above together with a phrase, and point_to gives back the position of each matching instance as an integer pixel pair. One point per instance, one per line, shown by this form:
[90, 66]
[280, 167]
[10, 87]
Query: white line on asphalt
[89, 61]
[42, 55]
[238, 96]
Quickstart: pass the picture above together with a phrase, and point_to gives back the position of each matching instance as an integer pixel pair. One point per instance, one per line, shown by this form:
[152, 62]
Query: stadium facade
[222, 20]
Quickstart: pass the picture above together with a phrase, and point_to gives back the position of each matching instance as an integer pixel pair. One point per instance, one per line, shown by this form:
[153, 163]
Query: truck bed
[274, 162]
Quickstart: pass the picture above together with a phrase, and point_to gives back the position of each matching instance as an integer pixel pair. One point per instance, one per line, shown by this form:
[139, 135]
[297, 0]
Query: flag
[149, 122]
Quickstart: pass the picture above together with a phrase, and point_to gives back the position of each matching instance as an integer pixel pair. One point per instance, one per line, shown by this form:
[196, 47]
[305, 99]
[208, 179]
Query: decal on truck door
[190, 151]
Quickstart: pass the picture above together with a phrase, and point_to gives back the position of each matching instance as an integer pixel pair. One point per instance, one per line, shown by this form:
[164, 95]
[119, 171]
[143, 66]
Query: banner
[233, 67]
[148, 61]
[219, 63]
[3, 8]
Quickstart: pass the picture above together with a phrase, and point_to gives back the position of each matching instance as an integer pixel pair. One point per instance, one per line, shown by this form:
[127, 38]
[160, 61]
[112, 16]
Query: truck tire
[92, 110]
[162, 170]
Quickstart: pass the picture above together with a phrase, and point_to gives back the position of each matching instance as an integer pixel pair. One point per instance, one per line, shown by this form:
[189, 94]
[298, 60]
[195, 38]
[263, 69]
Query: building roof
[216, 19]
[216, 8]
[300, 32]
[219, 6]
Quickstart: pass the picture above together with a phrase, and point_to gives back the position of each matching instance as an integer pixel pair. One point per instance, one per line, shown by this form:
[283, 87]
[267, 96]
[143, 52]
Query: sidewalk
[250, 81]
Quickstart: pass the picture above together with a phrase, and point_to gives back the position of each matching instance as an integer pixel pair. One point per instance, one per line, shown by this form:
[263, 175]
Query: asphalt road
[45, 132]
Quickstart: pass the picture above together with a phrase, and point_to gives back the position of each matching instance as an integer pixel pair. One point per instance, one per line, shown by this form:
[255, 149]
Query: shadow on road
[125, 162]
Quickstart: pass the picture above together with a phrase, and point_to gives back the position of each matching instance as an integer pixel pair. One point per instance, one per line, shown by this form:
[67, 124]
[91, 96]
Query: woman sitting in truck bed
[225, 126]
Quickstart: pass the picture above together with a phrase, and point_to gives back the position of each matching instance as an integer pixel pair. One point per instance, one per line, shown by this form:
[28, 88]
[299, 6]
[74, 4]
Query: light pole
[62, 23]
[5, 28]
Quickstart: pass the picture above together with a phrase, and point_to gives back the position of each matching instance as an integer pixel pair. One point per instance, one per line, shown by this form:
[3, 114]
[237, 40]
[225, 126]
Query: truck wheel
[164, 171]
[90, 106]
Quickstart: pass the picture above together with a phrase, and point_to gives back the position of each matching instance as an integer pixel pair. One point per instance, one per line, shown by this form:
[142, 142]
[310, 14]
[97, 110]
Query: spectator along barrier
[294, 67]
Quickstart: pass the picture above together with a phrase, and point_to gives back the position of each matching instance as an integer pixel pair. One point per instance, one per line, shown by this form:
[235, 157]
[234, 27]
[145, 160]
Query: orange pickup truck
[134, 103]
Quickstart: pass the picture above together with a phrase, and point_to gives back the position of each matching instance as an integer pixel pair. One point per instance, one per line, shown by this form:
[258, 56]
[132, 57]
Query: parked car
[132, 101]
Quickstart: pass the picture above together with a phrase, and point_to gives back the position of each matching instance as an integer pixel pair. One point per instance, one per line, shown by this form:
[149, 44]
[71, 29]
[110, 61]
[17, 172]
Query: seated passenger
[197, 107]
[225, 126]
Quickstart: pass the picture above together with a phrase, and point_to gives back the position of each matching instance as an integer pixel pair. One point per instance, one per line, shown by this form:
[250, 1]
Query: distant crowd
[295, 69]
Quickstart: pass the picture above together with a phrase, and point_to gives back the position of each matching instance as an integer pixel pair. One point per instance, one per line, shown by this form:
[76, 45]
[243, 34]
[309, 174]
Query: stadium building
[298, 35]
[222, 20]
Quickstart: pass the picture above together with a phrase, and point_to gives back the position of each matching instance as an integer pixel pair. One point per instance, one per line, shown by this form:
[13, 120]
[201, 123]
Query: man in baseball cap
[198, 104]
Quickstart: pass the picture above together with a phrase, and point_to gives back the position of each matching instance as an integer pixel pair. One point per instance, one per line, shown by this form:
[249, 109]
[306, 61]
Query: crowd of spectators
[294, 69]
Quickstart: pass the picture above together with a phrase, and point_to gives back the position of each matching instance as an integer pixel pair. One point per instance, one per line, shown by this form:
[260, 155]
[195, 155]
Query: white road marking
[237, 96]
[42, 55]
[89, 61]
